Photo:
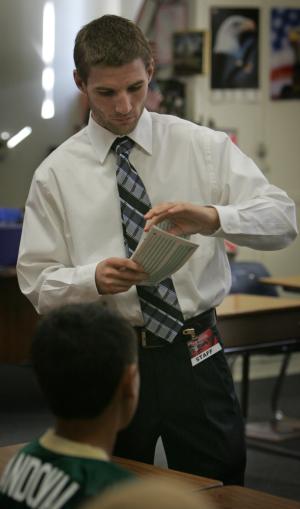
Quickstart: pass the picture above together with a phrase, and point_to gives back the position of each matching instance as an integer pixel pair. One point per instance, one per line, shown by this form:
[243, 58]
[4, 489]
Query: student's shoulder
[30, 448]
[108, 470]
[92, 472]
[13, 469]
[31, 451]
[100, 475]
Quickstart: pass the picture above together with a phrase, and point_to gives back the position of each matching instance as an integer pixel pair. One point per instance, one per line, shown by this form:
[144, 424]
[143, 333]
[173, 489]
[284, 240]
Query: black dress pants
[195, 411]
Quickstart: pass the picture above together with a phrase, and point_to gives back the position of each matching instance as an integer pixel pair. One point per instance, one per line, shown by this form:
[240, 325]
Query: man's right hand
[117, 275]
[185, 218]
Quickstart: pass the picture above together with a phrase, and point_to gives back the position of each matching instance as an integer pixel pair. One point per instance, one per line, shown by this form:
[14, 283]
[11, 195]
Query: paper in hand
[161, 253]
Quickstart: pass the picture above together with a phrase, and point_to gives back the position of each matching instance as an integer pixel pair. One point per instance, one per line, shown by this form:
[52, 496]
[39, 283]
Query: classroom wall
[21, 93]
[258, 120]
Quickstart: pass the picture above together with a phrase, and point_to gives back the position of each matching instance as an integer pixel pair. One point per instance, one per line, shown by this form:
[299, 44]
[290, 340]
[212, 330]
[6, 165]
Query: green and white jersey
[55, 473]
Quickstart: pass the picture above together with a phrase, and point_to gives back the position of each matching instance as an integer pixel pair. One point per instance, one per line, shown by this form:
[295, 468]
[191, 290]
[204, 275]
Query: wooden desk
[17, 319]
[259, 324]
[288, 283]
[253, 321]
[141, 469]
[237, 497]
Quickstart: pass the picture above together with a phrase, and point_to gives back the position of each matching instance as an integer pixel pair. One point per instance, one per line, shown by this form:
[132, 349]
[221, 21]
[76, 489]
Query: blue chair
[246, 279]
[10, 215]
[10, 235]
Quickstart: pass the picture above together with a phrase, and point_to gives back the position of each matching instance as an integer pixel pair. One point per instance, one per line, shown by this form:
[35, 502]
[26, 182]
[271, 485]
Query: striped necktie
[159, 304]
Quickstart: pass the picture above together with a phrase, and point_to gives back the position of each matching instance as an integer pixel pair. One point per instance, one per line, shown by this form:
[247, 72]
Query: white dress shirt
[73, 220]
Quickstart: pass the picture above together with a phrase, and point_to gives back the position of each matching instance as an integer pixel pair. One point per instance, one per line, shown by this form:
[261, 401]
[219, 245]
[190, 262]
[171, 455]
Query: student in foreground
[85, 359]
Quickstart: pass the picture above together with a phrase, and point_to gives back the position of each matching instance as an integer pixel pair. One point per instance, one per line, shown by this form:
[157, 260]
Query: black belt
[191, 328]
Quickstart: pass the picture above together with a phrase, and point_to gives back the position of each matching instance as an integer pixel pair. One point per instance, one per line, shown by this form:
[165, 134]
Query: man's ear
[131, 381]
[150, 70]
[128, 393]
[79, 82]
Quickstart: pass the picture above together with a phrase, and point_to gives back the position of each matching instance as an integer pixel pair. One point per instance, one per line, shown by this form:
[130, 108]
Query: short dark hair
[79, 353]
[109, 41]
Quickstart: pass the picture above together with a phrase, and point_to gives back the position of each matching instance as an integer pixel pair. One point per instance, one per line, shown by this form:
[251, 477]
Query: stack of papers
[161, 254]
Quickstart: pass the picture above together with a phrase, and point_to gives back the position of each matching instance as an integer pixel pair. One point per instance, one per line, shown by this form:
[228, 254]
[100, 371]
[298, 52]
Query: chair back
[246, 279]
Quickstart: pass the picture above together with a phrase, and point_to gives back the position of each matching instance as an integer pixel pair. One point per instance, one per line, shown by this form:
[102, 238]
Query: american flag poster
[285, 54]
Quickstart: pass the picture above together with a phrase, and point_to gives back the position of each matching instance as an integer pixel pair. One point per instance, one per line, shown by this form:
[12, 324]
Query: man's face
[117, 95]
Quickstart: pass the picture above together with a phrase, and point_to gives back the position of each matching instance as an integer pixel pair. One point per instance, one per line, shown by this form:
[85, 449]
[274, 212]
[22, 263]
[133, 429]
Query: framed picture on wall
[234, 48]
[174, 97]
[189, 52]
[171, 16]
[285, 54]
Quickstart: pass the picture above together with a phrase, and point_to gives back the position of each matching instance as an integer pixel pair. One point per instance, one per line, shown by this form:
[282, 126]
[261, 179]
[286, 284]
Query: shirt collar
[102, 139]
[50, 440]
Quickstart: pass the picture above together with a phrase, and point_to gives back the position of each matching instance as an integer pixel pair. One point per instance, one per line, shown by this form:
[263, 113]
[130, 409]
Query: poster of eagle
[234, 48]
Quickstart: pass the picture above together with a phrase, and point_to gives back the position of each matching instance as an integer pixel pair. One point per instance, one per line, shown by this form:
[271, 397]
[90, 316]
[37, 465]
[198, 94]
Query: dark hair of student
[109, 41]
[79, 353]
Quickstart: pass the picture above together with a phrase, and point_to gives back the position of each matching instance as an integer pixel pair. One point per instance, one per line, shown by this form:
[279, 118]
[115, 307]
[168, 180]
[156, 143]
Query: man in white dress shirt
[72, 247]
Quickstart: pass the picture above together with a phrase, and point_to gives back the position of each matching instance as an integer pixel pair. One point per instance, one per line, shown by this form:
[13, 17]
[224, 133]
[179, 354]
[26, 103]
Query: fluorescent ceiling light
[20, 136]
[48, 79]
[47, 109]
[48, 33]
